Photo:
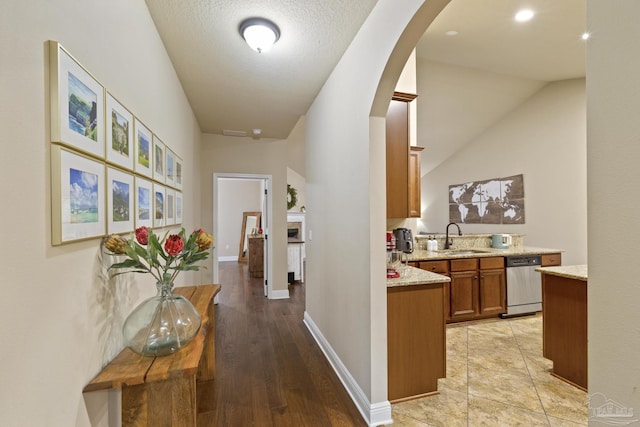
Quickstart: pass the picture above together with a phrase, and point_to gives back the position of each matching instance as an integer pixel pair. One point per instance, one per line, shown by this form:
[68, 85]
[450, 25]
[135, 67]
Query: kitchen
[548, 120]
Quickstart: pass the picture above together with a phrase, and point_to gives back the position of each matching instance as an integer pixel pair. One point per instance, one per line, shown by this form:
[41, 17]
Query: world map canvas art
[493, 201]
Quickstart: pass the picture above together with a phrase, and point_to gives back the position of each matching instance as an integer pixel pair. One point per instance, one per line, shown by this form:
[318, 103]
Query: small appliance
[500, 241]
[404, 240]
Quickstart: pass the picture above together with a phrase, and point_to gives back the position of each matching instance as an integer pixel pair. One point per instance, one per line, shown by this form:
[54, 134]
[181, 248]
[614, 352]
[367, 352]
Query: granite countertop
[416, 276]
[579, 272]
[423, 255]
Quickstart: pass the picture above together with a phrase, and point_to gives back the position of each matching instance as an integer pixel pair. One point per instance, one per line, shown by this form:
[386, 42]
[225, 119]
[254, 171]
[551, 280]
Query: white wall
[346, 288]
[224, 154]
[613, 156]
[545, 140]
[237, 196]
[61, 321]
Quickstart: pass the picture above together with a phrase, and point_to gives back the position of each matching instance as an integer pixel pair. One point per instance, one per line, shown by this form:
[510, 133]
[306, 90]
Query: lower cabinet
[478, 287]
[416, 337]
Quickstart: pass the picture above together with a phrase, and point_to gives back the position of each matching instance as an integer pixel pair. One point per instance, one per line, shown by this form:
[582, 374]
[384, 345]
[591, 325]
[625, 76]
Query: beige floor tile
[456, 376]
[562, 400]
[504, 386]
[401, 420]
[498, 359]
[483, 412]
[558, 422]
[447, 409]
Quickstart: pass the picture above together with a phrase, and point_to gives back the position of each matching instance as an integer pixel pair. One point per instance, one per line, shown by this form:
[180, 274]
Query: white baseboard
[228, 258]
[375, 414]
[280, 294]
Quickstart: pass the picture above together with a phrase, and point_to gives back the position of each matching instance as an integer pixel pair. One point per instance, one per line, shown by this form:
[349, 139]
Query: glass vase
[162, 324]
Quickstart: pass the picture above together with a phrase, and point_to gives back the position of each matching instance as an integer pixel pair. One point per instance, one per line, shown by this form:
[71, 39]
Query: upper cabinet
[403, 161]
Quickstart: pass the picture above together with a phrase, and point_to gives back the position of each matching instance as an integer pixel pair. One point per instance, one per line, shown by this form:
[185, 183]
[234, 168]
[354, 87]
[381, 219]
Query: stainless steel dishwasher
[524, 285]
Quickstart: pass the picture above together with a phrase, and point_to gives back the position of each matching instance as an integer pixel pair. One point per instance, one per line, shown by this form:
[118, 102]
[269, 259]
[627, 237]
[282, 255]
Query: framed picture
[119, 201]
[77, 104]
[158, 159]
[170, 165]
[178, 173]
[178, 207]
[143, 202]
[142, 149]
[78, 208]
[119, 134]
[159, 205]
[170, 206]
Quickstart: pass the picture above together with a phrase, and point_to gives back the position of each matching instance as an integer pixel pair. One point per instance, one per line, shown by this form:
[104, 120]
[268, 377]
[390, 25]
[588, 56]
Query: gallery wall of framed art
[110, 173]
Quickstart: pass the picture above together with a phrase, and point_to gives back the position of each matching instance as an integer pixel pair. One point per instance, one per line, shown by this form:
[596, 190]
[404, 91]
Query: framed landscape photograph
[170, 206]
[159, 205]
[120, 194]
[143, 203]
[77, 104]
[178, 173]
[178, 207]
[170, 165]
[142, 149]
[158, 160]
[78, 199]
[119, 144]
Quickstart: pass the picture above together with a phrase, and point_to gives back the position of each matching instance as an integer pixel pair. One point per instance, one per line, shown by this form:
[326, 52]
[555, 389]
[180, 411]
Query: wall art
[77, 196]
[143, 149]
[77, 104]
[119, 144]
[170, 206]
[158, 160]
[178, 207]
[159, 205]
[120, 207]
[143, 203]
[170, 165]
[493, 201]
[179, 169]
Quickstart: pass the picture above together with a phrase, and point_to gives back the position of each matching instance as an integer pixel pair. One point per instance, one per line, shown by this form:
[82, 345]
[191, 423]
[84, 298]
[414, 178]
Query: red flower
[174, 244]
[142, 235]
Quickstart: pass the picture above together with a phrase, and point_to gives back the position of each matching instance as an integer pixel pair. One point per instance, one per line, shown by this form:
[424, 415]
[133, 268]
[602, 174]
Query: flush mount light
[585, 36]
[451, 33]
[259, 33]
[524, 15]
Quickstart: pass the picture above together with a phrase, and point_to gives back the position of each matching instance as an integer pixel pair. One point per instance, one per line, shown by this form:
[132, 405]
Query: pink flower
[174, 244]
[142, 235]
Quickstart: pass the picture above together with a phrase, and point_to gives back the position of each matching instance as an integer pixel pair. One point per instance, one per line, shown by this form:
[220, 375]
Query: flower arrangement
[162, 258]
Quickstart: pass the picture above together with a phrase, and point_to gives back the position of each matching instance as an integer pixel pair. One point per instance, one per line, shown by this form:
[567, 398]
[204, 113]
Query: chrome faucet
[447, 241]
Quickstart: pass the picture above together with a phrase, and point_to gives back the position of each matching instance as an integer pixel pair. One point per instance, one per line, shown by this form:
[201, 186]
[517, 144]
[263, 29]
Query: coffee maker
[404, 240]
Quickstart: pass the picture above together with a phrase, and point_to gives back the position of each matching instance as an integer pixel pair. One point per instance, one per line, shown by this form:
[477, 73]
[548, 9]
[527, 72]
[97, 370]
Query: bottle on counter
[432, 244]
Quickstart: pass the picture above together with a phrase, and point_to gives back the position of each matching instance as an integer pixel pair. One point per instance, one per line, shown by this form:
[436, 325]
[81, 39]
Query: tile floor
[496, 376]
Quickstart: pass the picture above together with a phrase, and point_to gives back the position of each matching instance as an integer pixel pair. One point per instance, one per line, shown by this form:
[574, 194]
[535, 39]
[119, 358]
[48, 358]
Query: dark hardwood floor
[269, 369]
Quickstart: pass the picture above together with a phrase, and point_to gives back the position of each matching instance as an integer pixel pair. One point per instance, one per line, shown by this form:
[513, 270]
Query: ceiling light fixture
[585, 36]
[451, 33]
[524, 15]
[259, 33]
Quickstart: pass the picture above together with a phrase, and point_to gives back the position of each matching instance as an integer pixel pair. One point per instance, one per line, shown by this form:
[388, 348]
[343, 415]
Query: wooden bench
[161, 391]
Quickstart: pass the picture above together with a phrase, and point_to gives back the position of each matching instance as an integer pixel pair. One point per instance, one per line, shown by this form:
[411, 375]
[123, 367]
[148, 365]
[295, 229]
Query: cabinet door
[414, 182]
[493, 298]
[464, 294]
[397, 159]
[549, 260]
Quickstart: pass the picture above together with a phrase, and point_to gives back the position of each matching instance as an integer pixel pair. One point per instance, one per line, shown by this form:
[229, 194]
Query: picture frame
[143, 149]
[119, 127]
[77, 104]
[178, 174]
[179, 206]
[78, 201]
[120, 197]
[158, 160]
[159, 192]
[143, 203]
[170, 167]
[170, 206]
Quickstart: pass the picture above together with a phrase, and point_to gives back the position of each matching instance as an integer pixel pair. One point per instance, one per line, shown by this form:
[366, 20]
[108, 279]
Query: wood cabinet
[550, 260]
[403, 161]
[416, 340]
[440, 267]
[256, 256]
[477, 288]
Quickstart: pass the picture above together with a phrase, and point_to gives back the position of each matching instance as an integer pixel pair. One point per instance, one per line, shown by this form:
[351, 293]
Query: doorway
[256, 190]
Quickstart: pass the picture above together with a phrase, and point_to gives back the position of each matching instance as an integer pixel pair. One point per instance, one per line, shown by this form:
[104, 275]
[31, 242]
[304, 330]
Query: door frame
[268, 182]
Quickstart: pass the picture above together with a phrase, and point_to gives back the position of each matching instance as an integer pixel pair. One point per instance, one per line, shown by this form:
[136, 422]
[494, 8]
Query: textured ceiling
[231, 87]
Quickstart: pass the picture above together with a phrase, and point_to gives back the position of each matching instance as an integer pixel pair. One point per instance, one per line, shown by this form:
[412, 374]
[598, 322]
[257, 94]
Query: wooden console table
[161, 391]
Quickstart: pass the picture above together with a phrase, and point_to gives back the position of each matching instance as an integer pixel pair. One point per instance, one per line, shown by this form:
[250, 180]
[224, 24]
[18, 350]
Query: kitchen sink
[462, 251]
